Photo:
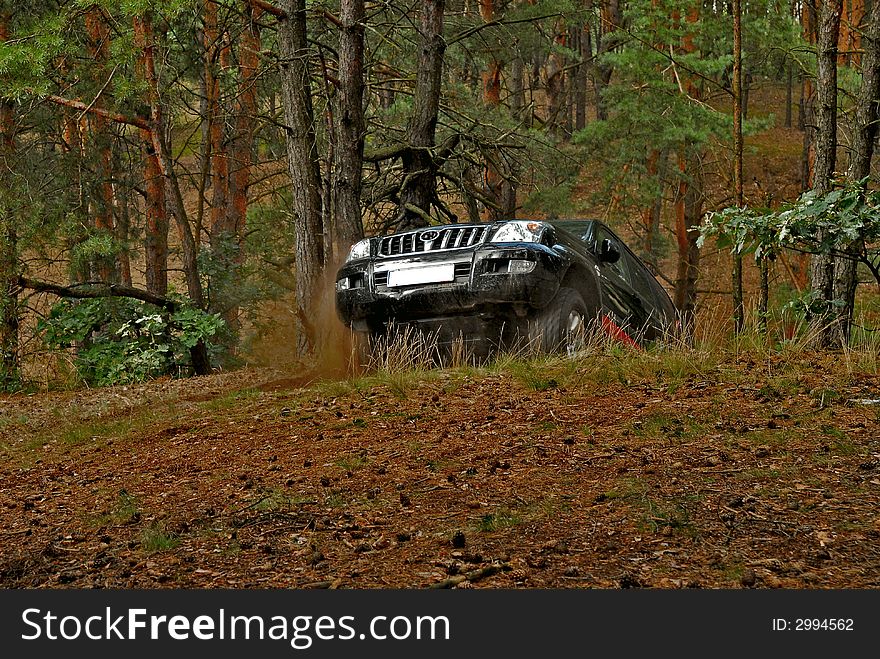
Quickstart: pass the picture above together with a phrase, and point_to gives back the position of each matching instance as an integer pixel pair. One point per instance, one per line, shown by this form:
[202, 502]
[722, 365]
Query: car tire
[562, 325]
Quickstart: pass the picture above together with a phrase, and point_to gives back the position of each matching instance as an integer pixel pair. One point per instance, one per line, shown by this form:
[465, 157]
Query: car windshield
[583, 229]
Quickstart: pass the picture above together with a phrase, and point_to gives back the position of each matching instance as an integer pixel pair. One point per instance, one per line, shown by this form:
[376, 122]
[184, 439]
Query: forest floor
[619, 469]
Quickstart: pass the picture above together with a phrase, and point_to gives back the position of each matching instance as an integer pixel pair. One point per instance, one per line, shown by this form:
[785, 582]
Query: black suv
[491, 284]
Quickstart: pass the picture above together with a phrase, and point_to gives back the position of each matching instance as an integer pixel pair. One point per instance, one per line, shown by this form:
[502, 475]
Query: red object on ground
[616, 332]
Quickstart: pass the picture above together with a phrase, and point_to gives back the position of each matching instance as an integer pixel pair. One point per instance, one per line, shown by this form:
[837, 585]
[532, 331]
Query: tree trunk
[555, 85]
[689, 206]
[497, 182]
[611, 22]
[864, 135]
[865, 119]
[385, 84]
[245, 126]
[157, 225]
[806, 118]
[302, 160]
[580, 80]
[737, 278]
[102, 202]
[123, 197]
[143, 32]
[229, 223]
[350, 130]
[218, 57]
[789, 83]
[822, 265]
[654, 167]
[419, 188]
[9, 308]
[688, 215]
[850, 41]
[517, 87]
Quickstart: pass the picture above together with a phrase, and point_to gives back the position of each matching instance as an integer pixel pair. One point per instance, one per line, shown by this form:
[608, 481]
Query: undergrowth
[404, 358]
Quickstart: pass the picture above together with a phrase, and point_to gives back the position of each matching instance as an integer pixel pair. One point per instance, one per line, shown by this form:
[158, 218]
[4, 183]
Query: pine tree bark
[688, 215]
[9, 305]
[655, 166]
[302, 160]
[157, 224]
[144, 41]
[806, 118]
[689, 206]
[419, 188]
[789, 83]
[584, 50]
[517, 87]
[218, 56]
[229, 223]
[498, 186]
[737, 274]
[555, 85]
[850, 40]
[246, 110]
[822, 265]
[611, 20]
[102, 202]
[350, 129]
[866, 121]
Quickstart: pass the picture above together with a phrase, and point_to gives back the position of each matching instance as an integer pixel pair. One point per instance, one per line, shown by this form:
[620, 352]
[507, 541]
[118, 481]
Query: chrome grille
[431, 240]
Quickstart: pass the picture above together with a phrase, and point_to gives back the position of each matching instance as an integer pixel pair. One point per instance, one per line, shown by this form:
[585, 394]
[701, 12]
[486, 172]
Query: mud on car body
[494, 284]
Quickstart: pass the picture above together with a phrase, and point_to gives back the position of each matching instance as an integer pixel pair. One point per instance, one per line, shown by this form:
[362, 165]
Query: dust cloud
[339, 352]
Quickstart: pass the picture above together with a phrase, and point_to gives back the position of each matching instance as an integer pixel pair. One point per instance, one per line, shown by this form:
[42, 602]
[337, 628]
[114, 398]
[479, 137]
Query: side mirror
[608, 252]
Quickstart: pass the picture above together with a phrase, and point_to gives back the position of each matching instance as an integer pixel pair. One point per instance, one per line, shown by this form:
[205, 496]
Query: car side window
[639, 279]
[620, 267]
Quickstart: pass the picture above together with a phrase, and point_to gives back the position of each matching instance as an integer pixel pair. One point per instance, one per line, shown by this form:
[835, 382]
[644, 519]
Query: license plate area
[428, 274]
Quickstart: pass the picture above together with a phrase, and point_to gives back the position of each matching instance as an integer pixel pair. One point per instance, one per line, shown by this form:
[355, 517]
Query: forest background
[180, 179]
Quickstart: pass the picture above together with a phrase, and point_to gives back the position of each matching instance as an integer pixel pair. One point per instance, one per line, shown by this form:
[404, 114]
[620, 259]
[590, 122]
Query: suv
[493, 284]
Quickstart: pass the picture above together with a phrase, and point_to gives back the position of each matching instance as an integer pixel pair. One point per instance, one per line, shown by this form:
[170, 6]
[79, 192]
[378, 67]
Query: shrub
[119, 340]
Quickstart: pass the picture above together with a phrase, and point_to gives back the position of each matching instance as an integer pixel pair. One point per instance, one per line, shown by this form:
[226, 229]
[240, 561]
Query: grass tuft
[155, 538]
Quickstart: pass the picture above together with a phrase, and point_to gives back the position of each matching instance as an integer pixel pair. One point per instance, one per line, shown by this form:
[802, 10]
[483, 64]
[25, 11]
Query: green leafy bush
[814, 223]
[119, 340]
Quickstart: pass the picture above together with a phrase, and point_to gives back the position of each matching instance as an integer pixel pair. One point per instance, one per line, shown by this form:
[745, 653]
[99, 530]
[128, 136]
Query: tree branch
[269, 8]
[98, 290]
[112, 116]
[388, 153]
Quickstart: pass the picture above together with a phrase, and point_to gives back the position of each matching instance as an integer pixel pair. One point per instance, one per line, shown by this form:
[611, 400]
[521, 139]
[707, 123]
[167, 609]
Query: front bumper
[483, 285]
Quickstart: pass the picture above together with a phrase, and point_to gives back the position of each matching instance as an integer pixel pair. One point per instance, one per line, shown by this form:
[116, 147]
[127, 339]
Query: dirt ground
[611, 472]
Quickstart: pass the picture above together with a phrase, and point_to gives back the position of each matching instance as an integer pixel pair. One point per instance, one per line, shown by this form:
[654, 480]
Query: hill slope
[619, 470]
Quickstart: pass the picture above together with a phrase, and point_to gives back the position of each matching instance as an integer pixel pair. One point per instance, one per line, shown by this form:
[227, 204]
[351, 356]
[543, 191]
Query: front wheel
[562, 325]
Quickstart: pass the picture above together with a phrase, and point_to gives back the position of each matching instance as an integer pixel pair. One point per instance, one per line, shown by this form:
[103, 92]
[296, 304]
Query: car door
[622, 303]
[645, 286]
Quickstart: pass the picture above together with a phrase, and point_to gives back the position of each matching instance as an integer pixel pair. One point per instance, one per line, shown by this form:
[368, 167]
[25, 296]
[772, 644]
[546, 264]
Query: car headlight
[518, 231]
[359, 250]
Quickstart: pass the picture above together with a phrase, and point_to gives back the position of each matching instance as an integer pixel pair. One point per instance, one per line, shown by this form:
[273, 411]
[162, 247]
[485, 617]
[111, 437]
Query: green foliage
[815, 223]
[96, 246]
[823, 224]
[662, 99]
[156, 538]
[118, 340]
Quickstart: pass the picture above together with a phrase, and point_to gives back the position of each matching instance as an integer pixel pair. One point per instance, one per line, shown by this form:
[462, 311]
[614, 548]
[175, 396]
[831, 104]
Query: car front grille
[431, 240]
